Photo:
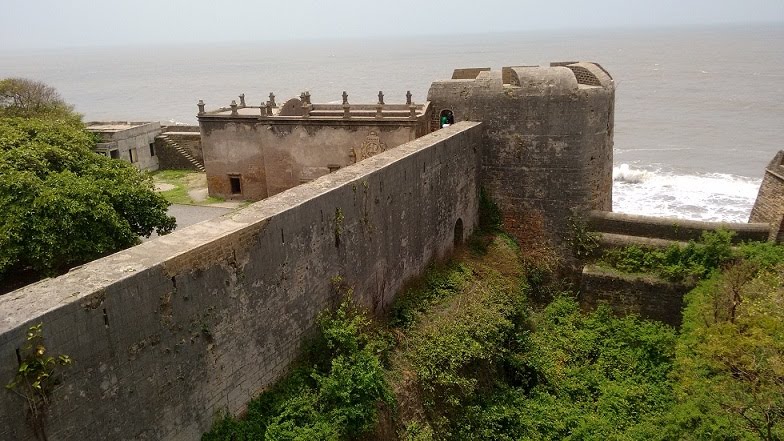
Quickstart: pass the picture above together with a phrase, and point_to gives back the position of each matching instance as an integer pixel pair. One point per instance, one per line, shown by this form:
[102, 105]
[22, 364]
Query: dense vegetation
[62, 204]
[471, 359]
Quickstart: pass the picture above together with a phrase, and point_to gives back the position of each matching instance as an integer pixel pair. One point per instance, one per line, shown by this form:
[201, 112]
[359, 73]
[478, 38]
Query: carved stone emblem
[371, 146]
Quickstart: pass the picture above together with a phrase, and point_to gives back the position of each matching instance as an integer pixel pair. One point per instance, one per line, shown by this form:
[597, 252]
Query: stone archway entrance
[446, 118]
[458, 240]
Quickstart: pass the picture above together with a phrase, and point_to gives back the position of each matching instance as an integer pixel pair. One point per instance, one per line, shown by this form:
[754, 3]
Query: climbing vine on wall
[37, 378]
[339, 218]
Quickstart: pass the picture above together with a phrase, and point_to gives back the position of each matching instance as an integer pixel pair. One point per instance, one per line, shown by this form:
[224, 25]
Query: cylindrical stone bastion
[548, 138]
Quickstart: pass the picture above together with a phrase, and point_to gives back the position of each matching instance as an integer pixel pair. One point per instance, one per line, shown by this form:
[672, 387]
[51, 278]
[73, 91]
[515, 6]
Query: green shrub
[439, 283]
[688, 263]
[332, 395]
[490, 217]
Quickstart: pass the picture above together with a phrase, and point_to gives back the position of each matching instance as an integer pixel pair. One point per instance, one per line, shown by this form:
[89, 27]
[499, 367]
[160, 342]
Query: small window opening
[114, 154]
[133, 155]
[152, 149]
[236, 184]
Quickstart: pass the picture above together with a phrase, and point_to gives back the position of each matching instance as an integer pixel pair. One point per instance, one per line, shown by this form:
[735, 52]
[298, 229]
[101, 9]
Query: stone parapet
[167, 335]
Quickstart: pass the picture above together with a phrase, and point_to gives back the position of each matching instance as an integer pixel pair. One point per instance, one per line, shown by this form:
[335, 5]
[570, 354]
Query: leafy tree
[730, 358]
[29, 98]
[64, 205]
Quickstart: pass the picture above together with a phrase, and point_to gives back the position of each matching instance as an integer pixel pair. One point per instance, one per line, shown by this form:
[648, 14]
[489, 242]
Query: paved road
[193, 214]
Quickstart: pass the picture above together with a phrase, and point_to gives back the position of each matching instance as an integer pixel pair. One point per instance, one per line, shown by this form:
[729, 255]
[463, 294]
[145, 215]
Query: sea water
[698, 110]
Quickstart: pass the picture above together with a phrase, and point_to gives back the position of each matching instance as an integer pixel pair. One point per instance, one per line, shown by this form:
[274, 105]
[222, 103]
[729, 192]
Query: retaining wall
[646, 295]
[670, 228]
[170, 159]
[167, 334]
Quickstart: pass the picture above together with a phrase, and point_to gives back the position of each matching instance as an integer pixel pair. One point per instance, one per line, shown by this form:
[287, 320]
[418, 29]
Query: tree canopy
[63, 204]
[29, 98]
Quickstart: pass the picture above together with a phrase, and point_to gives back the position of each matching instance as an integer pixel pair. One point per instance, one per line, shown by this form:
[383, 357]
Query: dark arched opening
[458, 232]
[446, 118]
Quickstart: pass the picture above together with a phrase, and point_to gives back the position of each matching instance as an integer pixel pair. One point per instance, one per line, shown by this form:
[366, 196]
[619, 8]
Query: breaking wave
[624, 173]
[706, 196]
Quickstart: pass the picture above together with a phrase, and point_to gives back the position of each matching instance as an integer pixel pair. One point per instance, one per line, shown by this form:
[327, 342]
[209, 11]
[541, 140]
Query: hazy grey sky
[61, 23]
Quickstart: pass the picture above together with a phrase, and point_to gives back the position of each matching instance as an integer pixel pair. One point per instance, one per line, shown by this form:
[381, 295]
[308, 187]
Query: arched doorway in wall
[446, 118]
[458, 233]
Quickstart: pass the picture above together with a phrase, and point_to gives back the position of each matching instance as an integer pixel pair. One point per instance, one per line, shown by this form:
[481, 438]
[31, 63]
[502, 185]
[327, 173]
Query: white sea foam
[708, 196]
[173, 122]
[632, 176]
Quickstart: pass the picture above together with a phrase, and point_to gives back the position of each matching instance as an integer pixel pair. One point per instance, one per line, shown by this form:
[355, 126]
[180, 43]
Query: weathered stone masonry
[769, 206]
[166, 334]
[547, 138]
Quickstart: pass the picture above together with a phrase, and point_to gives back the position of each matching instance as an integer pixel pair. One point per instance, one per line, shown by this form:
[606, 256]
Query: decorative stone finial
[412, 110]
[302, 97]
[379, 110]
[408, 97]
[381, 97]
[305, 108]
[242, 100]
[269, 108]
[346, 106]
[307, 97]
[234, 108]
[345, 98]
[201, 107]
[272, 100]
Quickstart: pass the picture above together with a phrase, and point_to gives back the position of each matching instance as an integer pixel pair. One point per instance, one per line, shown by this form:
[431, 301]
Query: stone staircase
[182, 151]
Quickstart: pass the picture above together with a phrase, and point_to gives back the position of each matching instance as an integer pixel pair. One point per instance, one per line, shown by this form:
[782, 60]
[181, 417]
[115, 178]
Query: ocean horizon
[698, 109]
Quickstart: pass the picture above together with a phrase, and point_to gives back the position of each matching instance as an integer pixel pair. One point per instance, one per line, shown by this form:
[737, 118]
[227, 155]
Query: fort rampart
[769, 206]
[646, 295]
[167, 334]
[670, 228]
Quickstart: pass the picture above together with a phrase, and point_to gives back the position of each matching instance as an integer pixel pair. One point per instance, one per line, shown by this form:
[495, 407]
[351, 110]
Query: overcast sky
[63, 23]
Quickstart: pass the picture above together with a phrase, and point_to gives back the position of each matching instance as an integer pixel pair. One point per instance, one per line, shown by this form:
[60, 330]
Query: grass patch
[183, 181]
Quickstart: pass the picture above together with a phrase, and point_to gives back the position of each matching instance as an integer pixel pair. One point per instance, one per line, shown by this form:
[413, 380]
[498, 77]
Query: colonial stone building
[253, 152]
[130, 141]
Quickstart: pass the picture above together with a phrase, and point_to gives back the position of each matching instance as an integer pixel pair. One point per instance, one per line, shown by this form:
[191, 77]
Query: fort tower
[547, 137]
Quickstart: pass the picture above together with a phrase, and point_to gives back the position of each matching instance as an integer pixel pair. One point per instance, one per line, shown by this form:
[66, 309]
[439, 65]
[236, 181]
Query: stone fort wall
[672, 229]
[645, 295]
[769, 206]
[167, 334]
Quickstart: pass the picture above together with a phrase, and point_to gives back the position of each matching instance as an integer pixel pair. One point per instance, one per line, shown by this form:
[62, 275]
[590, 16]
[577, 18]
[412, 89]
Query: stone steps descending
[196, 163]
